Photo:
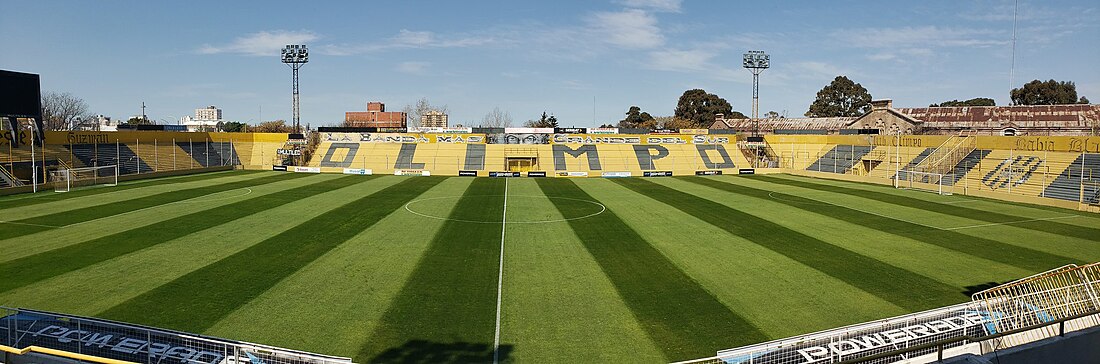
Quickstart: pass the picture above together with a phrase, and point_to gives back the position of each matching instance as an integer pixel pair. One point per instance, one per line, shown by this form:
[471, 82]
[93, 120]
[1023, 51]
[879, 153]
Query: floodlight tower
[295, 56]
[756, 62]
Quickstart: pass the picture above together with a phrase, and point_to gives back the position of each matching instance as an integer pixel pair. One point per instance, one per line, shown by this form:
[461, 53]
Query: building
[208, 113]
[433, 119]
[1064, 120]
[376, 116]
[206, 119]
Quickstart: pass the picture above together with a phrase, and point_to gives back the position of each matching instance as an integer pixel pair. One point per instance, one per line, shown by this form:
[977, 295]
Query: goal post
[924, 181]
[64, 180]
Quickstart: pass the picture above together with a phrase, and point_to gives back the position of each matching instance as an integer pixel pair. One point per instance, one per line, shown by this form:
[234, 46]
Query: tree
[700, 107]
[544, 121]
[60, 111]
[422, 107]
[771, 115]
[276, 126]
[842, 97]
[606, 126]
[977, 101]
[636, 118]
[138, 120]
[673, 123]
[1047, 93]
[497, 119]
[235, 127]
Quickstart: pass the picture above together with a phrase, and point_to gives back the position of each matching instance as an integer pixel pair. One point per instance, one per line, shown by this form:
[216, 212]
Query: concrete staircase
[121, 155]
[1069, 184]
[840, 159]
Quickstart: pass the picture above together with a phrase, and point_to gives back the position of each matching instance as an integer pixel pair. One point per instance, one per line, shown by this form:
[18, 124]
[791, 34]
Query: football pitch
[388, 268]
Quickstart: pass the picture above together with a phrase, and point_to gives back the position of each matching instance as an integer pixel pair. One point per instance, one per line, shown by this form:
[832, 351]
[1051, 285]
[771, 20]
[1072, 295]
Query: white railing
[103, 341]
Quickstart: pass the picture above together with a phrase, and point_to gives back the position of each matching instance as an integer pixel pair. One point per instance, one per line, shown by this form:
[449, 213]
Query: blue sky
[527, 57]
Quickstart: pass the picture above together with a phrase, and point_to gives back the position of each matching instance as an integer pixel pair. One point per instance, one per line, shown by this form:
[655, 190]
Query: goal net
[924, 181]
[64, 180]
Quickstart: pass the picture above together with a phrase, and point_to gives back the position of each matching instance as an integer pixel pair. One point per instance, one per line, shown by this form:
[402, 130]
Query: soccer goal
[64, 180]
[924, 181]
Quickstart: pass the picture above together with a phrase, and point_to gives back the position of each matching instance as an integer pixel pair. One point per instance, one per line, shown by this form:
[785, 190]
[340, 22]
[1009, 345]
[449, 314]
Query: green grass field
[391, 269]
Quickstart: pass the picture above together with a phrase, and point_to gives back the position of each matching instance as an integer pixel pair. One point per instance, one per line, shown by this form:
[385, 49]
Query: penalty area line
[500, 275]
[1009, 222]
[30, 224]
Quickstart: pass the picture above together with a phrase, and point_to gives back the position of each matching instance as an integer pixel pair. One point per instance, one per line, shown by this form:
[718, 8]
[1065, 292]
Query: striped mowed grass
[392, 269]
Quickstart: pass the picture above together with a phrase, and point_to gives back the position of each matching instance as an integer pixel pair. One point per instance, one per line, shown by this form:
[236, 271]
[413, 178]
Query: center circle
[419, 208]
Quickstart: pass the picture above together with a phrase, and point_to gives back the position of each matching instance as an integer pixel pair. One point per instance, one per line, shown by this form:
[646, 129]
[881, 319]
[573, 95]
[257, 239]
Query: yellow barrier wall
[592, 154]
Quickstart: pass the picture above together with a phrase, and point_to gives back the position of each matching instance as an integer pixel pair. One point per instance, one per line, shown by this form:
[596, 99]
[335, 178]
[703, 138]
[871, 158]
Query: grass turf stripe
[1017, 256]
[680, 315]
[198, 300]
[61, 219]
[1047, 226]
[449, 300]
[50, 196]
[33, 268]
[901, 287]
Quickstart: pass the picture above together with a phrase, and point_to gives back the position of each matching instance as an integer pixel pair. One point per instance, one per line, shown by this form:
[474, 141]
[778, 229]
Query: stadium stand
[1068, 184]
[121, 155]
[840, 159]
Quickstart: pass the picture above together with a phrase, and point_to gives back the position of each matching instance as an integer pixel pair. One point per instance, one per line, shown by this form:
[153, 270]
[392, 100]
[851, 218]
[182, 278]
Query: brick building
[376, 116]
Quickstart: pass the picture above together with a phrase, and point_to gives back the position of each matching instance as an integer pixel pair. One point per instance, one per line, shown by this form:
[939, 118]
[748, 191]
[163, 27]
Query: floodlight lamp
[756, 60]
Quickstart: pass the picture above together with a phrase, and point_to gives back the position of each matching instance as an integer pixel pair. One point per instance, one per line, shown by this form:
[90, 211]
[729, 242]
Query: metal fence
[1019, 309]
[79, 336]
[135, 157]
[1059, 175]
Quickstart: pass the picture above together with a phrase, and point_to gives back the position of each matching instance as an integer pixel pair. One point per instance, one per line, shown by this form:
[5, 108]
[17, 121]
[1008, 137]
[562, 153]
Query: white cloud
[630, 28]
[655, 5]
[413, 67]
[923, 36]
[410, 38]
[264, 43]
[680, 60]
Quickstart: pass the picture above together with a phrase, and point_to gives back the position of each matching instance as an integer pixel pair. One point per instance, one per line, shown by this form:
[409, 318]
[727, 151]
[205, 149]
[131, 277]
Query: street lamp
[295, 56]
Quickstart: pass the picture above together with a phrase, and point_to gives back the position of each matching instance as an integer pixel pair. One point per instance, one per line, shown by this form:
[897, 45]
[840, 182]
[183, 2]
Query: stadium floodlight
[295, 56]
[756, 62]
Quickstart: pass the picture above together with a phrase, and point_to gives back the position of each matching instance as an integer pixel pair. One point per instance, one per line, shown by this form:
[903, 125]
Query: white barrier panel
[572, 174]
[359, 171]
[615, 174]
[307, 169]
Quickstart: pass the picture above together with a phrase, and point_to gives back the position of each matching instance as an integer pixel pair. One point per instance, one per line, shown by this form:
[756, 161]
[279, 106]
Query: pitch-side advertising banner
[411, 172]
[359, 171]
[307, 169]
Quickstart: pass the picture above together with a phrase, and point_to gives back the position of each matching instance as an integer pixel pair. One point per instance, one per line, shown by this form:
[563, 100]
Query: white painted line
[1010, 222]
[29, 224]
[500, 275]
[190, 200]
[963, 201]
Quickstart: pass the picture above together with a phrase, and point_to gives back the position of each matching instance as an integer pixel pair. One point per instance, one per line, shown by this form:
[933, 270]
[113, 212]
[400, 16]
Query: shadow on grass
[971, 290]
[423, 351]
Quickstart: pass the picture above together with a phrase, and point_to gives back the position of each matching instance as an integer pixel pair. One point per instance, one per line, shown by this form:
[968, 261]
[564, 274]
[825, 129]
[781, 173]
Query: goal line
[924, 181]
[64, 180]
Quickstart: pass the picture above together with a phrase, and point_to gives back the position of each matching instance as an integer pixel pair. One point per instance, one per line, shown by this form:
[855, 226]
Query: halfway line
[500, 275]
